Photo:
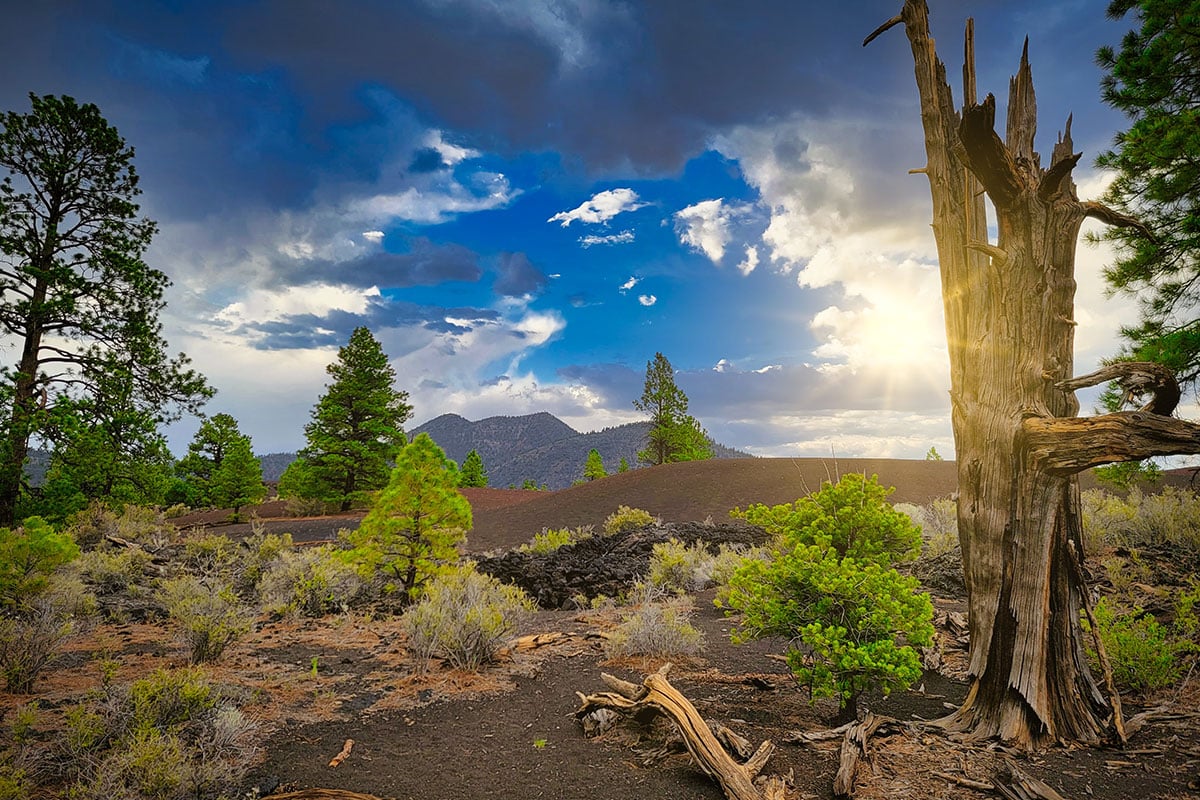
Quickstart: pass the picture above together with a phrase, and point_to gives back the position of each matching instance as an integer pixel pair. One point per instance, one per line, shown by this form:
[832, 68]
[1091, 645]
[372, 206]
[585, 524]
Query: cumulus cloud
[602, 207]
[624, 237]
[748, 264]
[647, 299]
[706, 227]
[629, 284]
[375, 237]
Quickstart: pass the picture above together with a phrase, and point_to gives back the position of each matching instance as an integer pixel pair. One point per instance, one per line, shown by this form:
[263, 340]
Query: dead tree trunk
[1010, 327]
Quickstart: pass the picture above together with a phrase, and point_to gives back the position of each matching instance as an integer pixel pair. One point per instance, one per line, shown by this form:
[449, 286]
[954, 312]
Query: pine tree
[1155, 79]
[356, 425]
[473, 473]
[417, 521]
[674, 435]
[76, 299]
[594, 467]
[237, 481]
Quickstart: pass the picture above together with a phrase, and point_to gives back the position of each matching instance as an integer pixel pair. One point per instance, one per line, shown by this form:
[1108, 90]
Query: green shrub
[656, 624]
[312, 582]
[138, 524]
[551, 539]
[626, 519]
[1143, 653]
[260, 550]
[28, 555]
[843, 619]
[29, 642]
[464, 617]
[211, 554]
[111, 572]
[210, 617]
[1171, 516]
[851, 516]
[169, 736]
[677, 566]
[938, 522]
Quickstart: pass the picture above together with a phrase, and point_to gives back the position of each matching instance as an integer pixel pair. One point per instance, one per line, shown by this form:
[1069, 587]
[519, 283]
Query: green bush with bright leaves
[843, 619]
[852, 516]
[1144, 653]
[850, 620]
[28, 555]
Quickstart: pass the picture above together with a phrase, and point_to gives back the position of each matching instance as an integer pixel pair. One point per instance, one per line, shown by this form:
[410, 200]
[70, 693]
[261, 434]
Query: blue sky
[526, 200]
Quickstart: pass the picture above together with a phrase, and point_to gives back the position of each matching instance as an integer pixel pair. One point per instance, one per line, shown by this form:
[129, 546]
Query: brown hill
[689, 492]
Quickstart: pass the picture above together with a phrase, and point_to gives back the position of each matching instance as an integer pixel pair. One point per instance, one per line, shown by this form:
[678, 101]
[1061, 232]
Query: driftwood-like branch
[987, 157]
[1110, 216]
[657, 693]
[854, 748]
[1137, 379]
[1067, 445]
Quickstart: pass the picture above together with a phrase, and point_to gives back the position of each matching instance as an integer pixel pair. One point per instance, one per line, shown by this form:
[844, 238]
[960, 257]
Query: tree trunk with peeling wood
[1010, 327]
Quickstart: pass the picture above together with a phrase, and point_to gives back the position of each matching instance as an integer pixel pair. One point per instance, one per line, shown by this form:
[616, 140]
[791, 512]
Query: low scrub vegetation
[464, 617]
[626, 518]
[655, 623]
[1144, 653]
[551, 539]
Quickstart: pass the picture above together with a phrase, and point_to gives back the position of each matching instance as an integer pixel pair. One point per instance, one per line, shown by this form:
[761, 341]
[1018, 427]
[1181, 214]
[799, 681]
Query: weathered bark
[657, 693]
[1010, 324]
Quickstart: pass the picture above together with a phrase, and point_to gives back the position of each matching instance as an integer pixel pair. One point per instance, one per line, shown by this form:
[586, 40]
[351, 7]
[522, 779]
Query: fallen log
[657, 694]
[853, 748]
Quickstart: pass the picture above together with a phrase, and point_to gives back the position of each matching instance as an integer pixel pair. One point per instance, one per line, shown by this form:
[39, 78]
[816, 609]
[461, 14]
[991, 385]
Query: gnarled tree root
[655, 693]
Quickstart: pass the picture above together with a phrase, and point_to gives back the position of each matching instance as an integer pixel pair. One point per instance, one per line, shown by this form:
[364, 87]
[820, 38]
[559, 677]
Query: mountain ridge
[539, 447]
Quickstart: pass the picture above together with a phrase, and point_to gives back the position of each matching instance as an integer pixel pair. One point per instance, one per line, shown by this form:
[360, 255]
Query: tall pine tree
[76, 298]
[1154, 78]
[674, 434]
[473, 474]
[355, 430]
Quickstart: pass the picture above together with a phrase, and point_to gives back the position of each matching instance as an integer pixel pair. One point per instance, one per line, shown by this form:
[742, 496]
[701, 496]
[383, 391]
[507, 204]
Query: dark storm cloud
[334, 329]
[516, 276]
[650, 85]
[426, 264]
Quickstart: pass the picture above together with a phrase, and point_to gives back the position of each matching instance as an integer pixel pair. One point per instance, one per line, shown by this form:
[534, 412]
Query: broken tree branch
[657, 693]
[1138, 379]
[1110, 216]
[987, 157]
[1067, 445]
[891, 23]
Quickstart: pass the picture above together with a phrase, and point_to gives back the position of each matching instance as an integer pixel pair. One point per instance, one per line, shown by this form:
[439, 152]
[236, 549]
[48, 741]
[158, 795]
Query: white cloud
[706, 226]
[268, 305]
[451, 154]
[601, 208]
[373, 236]
[647, 299]
[623, 237]
[629, 284]
[437, 203]
[747, 264]
[724, 365]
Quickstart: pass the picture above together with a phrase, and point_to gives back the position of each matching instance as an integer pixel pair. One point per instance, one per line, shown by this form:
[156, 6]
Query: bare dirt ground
[509, 732]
